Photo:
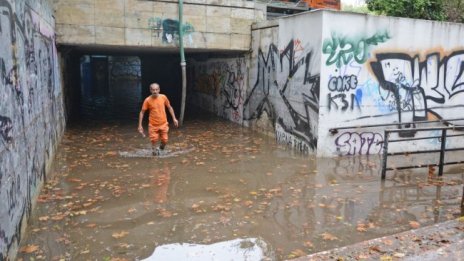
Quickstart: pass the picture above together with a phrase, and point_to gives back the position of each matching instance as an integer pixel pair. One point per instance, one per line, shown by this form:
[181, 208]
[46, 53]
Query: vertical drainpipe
[182, 63]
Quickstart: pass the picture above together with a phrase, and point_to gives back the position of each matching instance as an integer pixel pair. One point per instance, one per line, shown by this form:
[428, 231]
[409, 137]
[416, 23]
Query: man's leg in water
[154, 137]
[163, 131]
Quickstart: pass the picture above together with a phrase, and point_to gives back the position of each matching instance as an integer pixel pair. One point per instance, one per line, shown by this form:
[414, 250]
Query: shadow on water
[108, 198]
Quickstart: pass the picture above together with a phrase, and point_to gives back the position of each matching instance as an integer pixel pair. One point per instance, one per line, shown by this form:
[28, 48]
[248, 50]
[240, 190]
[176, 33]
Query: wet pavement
[109, 199]
[443, 241]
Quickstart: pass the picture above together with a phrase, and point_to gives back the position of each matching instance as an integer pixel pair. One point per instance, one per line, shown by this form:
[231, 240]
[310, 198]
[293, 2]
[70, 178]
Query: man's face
[154, 90]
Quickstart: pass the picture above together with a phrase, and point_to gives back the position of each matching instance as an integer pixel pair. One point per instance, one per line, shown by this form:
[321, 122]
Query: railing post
[442, 152]
[462, 202]
[385, 154]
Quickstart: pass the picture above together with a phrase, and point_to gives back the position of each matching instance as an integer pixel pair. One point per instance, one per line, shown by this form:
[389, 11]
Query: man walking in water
[158, 126]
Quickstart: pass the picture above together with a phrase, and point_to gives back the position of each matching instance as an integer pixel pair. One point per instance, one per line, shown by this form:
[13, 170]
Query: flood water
[109, 199]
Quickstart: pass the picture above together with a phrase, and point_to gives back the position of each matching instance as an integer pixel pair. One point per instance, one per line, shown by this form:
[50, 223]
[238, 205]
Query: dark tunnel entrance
[109, 84]
[112, 86]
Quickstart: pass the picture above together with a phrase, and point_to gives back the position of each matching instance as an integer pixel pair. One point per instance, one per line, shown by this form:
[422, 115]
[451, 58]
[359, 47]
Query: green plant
[421, 9]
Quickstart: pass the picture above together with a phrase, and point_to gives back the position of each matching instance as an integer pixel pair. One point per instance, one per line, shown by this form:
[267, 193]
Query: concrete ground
[443, 241]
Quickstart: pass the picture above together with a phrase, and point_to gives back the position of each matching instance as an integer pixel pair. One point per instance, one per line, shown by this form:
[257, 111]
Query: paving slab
[442, 241]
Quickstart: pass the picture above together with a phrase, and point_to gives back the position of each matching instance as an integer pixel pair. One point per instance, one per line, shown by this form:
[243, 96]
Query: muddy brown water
[109, 199]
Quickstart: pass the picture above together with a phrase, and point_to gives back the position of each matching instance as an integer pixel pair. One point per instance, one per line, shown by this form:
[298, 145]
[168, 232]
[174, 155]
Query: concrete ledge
[443, 241]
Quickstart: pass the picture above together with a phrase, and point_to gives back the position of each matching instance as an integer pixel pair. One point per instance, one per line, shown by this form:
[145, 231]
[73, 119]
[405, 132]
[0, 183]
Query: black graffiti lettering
[343, 83]
[223, 79]
[27, 69]
[291, 141]
[5, 129]
[13, 192]
[259, 101]
[354, 100]
[339, 101]
[414, 83]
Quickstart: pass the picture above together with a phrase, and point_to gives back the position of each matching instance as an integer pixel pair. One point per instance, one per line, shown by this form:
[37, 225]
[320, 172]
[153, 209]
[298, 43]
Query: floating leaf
[388, 242]
[376, 249]
[248, 203]
[120, 234]
[386, 258]
[29, 249]
[58, 217]
[44, 218]
[361, 228]
[165, 213]
[328, 236]
[414, 224]
[298, 253]
[308, 244]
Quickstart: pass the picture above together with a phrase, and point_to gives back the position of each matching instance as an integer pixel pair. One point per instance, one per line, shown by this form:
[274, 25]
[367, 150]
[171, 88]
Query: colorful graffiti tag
[168, 29]
[342, 50]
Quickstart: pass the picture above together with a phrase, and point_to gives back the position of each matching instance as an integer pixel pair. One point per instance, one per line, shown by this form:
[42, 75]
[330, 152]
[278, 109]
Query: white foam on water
[148, 153]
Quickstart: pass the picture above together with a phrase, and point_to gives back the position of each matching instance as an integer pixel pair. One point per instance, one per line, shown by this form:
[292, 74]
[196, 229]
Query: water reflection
[161, 180]
[249, 249]
[228, 183]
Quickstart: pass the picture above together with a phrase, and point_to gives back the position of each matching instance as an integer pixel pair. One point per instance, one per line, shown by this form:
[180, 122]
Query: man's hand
[176, 123]
[140, 129]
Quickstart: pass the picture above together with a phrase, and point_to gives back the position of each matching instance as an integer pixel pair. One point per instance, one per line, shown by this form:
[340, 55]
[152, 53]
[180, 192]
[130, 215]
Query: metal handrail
[442, 148]
[443, 121]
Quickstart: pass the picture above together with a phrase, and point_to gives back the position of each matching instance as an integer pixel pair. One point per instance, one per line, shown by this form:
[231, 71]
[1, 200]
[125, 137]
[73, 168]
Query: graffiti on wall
[125, 67]
[341, 50]
[338, 98]
[405, 87]
[5, 129]
[224, 80]
[364, 143]
[31, 115]
[415, 89]
[168, 29]
[210, 78]
[295, 123]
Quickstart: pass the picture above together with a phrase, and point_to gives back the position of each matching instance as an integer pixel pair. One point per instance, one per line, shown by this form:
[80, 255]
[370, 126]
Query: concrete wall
[283, 94]
[313, 72]
[208, 24]
[219, 86]
[384, 70]
[275, 89]
[31, 111]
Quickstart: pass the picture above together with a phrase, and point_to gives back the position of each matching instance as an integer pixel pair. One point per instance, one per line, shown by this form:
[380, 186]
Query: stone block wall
[31, 111]
[208, 24]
